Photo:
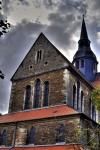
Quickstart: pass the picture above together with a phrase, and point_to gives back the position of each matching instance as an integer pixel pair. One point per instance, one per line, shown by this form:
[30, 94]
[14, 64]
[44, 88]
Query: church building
[50, 104]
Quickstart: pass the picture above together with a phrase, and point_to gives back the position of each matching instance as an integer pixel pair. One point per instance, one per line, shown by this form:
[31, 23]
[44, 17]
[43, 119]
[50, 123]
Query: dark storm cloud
[24, 2]
[37, 3]
[49, 4]
[96, 5]
[18, 42]
[63, 24]
[6, 6]
[66, 22]
[60, 30]
[71, 5]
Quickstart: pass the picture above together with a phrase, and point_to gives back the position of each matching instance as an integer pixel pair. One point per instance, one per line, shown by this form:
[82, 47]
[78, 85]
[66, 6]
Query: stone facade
[56, 96]
[61, 90]
[56, 71]
[75, 130]
[46, 63]
[90, 134]
[51, 59]
[45, 131]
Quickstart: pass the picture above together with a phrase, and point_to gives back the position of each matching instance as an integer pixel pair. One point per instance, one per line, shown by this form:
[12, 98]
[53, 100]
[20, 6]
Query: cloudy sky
[59, 20]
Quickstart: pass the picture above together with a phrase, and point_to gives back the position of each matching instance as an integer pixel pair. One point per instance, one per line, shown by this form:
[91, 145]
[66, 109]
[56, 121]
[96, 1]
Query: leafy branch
[1, 75]
[96, 98]
[4, 25]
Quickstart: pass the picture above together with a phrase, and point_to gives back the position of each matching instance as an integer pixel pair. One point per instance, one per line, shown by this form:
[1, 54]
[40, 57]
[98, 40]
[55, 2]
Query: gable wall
[51, 59]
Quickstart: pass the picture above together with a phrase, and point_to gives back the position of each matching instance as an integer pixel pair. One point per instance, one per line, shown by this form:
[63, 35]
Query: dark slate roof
[86, 53]
[83, 34]
[84, 49]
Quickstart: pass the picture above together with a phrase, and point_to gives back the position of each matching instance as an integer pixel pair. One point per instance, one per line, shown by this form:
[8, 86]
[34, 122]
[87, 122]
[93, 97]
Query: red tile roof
[55, 147]
[53, 111]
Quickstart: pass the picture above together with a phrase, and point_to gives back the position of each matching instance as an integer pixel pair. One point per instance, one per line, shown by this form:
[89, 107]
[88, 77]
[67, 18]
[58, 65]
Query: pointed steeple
[84, 41]
[84, 34]
[84, 59]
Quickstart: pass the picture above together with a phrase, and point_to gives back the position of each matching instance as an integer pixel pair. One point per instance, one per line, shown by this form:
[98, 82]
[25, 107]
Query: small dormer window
[39, 56]
[82, 63]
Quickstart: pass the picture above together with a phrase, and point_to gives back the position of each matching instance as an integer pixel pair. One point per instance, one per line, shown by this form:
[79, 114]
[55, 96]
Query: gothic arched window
[60, 134]
[37, 93]
[27, 97]
[4, 138]
[74, 96]
[46, 93]
[78, 92]
[31, 136]
[82, 102]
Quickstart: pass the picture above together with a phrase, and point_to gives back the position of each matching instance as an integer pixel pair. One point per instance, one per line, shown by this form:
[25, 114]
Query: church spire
[84, 34]
[84, 59]
[84, 41]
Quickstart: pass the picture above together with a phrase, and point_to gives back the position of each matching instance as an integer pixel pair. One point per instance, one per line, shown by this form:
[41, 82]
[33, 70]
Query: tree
[96, 97]
[4, 25]
[1, 75]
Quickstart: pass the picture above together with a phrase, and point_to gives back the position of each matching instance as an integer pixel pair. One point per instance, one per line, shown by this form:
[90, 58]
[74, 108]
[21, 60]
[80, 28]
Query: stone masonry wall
[51, 59]
[75, 130]
[57, 90]
[60, 90]
[46, 131]
[90, 134]
[83, 87]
